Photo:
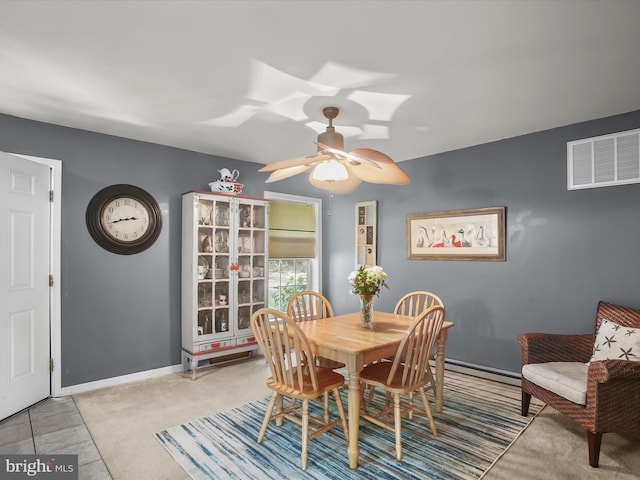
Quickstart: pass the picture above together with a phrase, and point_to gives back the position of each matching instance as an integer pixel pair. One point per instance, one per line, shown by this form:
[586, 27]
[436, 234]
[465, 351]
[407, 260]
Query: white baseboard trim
[110, 382]
[502, 376]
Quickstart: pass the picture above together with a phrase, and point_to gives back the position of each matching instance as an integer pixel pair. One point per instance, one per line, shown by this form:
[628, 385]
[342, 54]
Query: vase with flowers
[366, 282]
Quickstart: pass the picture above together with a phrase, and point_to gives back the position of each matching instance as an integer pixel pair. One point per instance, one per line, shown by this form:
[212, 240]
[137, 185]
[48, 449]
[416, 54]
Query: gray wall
[565, 250]
[120, 313]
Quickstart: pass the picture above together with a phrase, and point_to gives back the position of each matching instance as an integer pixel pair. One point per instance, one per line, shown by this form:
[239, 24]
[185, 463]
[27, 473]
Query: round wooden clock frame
[123, 246]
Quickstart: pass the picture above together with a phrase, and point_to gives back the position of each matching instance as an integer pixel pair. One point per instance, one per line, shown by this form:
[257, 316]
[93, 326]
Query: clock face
[124, 219]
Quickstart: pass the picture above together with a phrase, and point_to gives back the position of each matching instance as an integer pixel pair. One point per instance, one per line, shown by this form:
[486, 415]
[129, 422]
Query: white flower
[367, 280]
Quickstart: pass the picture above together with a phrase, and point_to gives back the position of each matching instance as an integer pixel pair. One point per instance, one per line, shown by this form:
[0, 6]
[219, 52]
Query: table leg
[354, 417]
[438, 391]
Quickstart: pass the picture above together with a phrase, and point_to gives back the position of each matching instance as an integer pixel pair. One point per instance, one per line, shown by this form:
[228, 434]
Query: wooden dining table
[341, 338]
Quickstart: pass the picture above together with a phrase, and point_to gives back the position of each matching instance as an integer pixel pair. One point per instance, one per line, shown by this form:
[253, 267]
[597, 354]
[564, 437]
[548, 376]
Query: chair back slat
[412, 357]
[285, 348]
[309, 305]
[416, 302]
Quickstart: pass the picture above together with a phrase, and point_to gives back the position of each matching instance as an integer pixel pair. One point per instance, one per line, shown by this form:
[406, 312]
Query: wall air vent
[604, 161]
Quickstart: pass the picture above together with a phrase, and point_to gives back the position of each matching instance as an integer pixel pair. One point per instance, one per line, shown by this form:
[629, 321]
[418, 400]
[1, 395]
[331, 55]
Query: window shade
[292, 229]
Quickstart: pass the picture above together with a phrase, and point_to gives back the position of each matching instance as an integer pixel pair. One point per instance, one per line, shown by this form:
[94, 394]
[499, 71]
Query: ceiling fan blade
[326, 149]
[295, 162]
[355, 159]
[286, 173]
[340, 187]
[388, 172]
[350, 156]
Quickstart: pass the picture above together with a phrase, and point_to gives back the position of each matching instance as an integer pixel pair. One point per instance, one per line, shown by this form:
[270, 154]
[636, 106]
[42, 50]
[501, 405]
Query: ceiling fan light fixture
[330, 171]
[334, 169]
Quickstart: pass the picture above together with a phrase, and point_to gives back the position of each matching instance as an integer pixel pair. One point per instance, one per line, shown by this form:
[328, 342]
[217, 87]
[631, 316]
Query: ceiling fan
[335, 170]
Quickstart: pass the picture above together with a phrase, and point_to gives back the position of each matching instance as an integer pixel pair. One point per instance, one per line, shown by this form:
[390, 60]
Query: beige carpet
[122, 421]
[555, 447]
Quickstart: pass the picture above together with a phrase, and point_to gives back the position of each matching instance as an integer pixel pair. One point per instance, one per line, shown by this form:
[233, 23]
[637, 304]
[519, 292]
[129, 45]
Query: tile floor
[49, 427]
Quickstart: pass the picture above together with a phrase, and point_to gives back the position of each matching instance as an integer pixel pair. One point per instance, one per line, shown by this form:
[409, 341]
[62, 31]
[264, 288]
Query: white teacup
[202, 271]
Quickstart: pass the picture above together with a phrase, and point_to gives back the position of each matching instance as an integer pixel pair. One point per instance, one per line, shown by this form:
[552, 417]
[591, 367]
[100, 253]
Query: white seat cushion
[567, 379]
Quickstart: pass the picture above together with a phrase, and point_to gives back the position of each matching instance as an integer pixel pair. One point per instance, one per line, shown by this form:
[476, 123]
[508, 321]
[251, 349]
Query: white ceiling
[248, 79]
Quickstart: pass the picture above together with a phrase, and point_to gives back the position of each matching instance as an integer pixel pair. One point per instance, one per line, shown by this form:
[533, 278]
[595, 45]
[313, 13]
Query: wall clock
[124, 219]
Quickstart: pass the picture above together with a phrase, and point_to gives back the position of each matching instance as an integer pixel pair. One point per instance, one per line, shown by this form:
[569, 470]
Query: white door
[24, 283]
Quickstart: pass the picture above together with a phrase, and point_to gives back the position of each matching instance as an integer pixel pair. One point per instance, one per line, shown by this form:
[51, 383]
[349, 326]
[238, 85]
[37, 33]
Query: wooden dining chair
[411, 305]
[310, 305]
[287, 351]
[415, 302]
[406, 375]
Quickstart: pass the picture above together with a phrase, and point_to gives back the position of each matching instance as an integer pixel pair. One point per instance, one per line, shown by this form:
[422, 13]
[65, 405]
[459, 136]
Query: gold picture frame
[475, 234]
[366, 232]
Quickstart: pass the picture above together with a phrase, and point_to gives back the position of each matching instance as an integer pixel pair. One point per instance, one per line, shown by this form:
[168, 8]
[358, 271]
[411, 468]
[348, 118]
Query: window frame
[314, 273]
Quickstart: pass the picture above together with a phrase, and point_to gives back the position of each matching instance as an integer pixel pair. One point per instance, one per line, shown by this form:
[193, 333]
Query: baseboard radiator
[489, 373]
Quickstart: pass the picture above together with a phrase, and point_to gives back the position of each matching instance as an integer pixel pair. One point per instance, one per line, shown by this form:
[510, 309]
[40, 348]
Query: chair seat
[327, 380]
[567, 379]
[378, 373]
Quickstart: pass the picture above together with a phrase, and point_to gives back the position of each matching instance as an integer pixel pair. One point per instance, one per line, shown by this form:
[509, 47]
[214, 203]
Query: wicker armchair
[612, 402]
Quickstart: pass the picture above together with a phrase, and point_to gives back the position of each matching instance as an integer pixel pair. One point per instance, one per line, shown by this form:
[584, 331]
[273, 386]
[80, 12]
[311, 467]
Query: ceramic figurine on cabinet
[206, 244]
[227, 183]
[228, 176]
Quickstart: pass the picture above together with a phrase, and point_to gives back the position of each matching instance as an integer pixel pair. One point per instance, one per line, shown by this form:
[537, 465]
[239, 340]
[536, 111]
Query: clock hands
[124, 219]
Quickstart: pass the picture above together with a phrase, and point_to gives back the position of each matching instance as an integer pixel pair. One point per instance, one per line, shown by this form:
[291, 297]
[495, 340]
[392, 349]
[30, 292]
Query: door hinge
[51, 280]
[51, 364]
[51, 195]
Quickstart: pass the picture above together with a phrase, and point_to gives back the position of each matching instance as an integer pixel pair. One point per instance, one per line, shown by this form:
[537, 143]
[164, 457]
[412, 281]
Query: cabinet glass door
[213, 246]
[251, 261]
[232, 261]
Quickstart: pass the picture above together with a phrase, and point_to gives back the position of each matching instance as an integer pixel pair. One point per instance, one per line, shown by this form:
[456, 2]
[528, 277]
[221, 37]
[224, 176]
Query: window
[286, 277]
[291, 274]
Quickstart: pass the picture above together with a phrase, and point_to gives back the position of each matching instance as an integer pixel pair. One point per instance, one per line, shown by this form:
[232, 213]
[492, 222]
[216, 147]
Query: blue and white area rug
[480, 419]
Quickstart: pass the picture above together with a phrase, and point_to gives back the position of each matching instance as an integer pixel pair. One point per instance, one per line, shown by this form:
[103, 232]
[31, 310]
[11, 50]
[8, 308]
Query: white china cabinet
[224, 280]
